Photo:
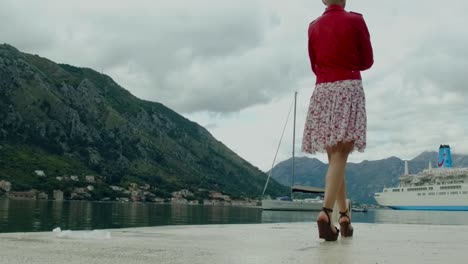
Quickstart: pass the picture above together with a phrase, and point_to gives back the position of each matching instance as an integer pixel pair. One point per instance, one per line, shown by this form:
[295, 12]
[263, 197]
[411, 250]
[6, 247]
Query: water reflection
[28, 216]
[80, 215]
[377, 216]
[288, 216]
[421, 217]
[57, 211]
[4, 205]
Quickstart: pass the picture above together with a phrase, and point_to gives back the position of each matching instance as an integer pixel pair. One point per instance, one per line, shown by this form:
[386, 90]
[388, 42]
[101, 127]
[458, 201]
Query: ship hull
[431, 208]
[432, 199]
[301, 205]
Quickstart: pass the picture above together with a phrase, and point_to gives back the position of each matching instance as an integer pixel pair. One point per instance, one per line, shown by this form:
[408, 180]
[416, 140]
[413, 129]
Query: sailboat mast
[293, 145]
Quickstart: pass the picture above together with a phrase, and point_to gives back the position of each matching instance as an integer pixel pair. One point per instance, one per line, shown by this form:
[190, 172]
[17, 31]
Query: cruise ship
[443, 188]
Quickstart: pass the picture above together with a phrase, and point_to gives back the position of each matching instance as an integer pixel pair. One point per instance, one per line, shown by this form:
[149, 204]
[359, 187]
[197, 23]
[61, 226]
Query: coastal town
[131, 192]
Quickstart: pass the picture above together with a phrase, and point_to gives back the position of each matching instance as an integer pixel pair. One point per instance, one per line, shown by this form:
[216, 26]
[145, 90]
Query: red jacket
[339, 45]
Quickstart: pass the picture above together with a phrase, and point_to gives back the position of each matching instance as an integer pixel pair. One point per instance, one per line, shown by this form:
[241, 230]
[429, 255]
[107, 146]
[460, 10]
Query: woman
[339, 48]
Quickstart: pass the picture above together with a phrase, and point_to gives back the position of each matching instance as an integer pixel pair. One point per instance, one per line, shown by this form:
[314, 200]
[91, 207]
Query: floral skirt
[337, 112]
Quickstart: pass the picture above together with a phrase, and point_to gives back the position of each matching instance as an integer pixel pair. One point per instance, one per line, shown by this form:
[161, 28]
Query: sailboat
[289, 203]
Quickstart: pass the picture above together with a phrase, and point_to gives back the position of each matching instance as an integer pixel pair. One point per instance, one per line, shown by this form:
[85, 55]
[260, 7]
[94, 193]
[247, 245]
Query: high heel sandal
[324, 228]
[346, 228]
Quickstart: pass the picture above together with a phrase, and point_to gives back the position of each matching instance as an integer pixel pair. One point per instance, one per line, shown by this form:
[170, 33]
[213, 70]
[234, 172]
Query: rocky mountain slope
[67, 120]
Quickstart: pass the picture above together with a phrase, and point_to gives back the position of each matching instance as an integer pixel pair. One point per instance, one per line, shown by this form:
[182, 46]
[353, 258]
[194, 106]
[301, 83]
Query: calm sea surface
[31, 216]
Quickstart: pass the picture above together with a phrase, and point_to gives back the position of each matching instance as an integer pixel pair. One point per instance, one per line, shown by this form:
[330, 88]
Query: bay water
[39, 215]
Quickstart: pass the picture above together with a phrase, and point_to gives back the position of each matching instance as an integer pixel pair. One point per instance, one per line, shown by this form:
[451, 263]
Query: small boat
[287, 203]
[359, 209]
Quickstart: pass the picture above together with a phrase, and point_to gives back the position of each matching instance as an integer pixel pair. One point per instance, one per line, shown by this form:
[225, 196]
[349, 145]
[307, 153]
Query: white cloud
[233, 65]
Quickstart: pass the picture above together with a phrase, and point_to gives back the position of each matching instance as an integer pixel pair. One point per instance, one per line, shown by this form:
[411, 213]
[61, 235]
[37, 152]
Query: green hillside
[67, 120]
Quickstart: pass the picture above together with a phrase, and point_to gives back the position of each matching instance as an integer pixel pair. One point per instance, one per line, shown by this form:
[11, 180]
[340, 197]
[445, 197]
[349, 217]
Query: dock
[246, 243]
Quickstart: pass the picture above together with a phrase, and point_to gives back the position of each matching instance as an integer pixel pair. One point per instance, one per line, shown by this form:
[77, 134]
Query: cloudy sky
[233, 66]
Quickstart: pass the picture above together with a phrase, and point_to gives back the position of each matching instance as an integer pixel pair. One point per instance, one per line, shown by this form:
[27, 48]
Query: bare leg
[342, 204]
[341, 196]
[334, 183]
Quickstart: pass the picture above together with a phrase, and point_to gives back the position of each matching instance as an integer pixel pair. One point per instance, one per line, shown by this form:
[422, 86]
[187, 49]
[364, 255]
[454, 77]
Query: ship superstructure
[441, 188]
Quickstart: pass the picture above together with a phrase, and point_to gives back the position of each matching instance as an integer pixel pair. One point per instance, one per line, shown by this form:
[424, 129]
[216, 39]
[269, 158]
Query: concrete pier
[260, 243]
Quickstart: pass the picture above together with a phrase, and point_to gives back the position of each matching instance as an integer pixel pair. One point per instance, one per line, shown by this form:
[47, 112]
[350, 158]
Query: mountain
[67, 120]
[362, 179]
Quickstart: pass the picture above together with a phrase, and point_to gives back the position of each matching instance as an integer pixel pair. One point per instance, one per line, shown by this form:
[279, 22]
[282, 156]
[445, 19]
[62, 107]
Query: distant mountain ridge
[67, 120]
[364, 178]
